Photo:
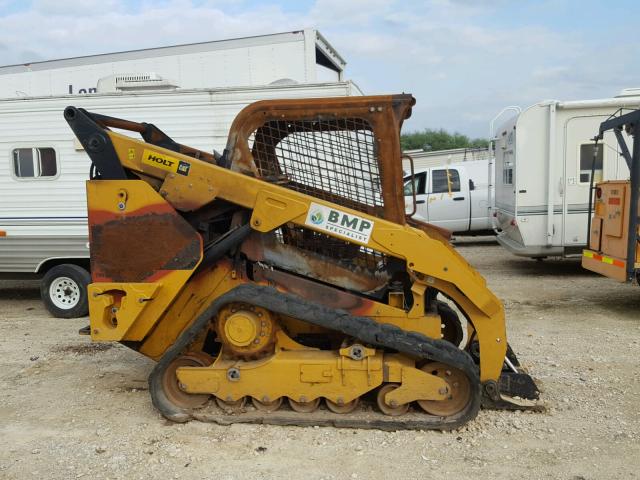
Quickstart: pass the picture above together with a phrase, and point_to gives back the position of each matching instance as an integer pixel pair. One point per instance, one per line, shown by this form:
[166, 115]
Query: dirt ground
[71, 409]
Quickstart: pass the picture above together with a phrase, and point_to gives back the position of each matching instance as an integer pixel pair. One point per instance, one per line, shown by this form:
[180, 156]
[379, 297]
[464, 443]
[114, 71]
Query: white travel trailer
[303, 56]
[543, 160]
[43, 216]
[455, 196]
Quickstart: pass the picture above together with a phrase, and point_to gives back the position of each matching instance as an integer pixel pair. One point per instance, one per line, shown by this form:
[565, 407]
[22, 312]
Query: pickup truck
[456, 196]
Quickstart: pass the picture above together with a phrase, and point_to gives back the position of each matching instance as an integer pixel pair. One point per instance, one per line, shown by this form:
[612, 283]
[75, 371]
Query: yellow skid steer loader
[286, 269]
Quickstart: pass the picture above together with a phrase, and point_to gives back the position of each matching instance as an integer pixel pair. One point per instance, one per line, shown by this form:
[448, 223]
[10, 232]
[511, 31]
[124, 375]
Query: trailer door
[578, 158]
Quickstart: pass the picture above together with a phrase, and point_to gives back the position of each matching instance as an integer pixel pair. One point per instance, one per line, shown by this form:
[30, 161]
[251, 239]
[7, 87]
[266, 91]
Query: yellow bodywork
[163, 274]
[433, 263]
[307, 374]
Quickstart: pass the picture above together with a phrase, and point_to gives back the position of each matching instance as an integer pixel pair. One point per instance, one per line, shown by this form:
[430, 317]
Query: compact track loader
[287, 269]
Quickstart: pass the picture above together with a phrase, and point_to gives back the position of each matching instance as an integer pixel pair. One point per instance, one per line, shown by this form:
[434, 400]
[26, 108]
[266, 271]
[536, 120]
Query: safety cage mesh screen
[331, 159]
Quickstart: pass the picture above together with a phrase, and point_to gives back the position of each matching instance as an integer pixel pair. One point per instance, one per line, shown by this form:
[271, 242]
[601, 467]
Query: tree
[433, 140]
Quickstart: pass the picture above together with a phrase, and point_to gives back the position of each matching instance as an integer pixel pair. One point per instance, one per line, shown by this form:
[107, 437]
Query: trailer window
[586, 160]
[419, 180]
[34, 162]
[507, 168]
[507, 176]
[445, 181]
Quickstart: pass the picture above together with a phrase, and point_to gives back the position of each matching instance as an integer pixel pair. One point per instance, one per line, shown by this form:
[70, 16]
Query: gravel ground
[71, 409]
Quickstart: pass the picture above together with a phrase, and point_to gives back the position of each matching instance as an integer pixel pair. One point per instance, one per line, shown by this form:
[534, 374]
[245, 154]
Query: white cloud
[55, 32]
[461, 67]
[358, 13]
[76, 7]
[551, 72]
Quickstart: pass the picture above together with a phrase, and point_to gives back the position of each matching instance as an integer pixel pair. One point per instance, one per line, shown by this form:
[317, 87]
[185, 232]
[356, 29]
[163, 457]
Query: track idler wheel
[387, 409]
[305, 407]
[459, 391]
[171, 386]
[267, 405]
[342, 407]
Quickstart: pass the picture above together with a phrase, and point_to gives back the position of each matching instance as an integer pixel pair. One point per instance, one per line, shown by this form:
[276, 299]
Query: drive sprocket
[246, 331]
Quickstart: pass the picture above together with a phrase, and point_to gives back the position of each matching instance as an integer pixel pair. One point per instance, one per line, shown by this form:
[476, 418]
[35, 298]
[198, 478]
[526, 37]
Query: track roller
[342, 407]
[267, 405]
[392, 410]
[231, 406]
[305, 407]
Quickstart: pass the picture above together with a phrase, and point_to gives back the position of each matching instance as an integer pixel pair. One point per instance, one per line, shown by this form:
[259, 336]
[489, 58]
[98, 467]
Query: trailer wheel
[64, 291]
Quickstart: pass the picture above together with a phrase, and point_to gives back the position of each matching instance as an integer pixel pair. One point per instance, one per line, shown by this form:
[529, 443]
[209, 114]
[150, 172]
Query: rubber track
[366, 330]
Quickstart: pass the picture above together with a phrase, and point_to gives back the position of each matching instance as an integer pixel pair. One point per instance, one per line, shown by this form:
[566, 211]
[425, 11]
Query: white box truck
[303, 56]
[43, 169]
[543, 162]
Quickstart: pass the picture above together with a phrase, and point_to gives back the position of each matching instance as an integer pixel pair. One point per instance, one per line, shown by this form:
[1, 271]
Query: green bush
[433, 140]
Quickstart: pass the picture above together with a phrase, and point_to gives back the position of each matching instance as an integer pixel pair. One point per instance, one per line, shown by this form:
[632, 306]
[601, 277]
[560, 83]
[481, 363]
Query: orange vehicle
[614, 242]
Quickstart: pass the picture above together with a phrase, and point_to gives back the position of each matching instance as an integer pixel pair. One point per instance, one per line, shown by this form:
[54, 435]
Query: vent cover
[127, 82]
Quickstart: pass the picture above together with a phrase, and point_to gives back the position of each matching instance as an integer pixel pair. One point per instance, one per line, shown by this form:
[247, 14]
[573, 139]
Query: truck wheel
[64, 291]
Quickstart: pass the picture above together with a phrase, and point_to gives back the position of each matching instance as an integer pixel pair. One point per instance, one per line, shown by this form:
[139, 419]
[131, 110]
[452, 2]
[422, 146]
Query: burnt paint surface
[385, 114]
[314, 291]
[265, 248]
[135, 247]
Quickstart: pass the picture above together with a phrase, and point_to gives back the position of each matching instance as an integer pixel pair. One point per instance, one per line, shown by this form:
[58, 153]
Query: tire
[64, 291]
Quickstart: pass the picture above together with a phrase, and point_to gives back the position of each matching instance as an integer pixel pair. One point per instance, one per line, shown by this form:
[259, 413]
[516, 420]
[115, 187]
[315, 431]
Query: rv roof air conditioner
[128, 82]
[284, 81]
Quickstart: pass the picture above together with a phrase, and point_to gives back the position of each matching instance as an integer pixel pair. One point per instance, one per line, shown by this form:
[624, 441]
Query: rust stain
[98, 216]
[136, 248]
[384, 114]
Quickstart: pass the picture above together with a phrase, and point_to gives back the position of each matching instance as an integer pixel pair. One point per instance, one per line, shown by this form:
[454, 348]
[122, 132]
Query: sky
[463, 60]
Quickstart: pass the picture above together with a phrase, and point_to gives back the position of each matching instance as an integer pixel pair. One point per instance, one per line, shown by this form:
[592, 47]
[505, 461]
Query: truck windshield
[418, 181]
